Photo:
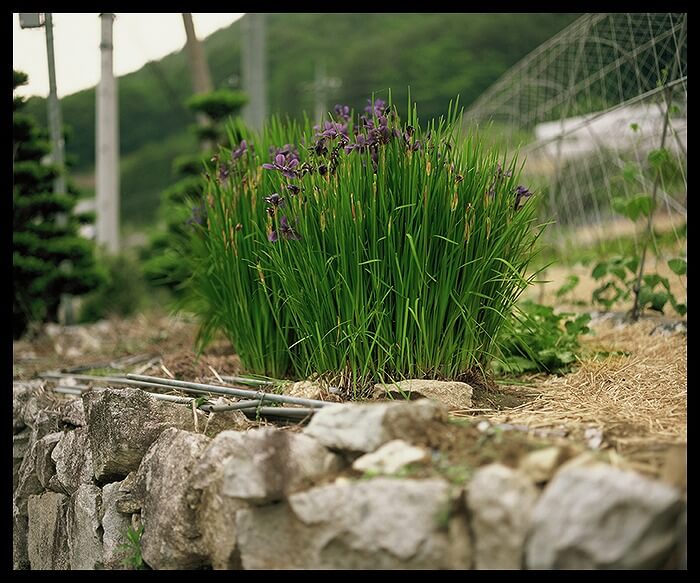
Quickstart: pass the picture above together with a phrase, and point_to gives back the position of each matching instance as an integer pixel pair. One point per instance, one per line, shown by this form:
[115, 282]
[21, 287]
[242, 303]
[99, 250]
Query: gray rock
[47, 540]
[20, 448]
[171, 538]
[599, 517]
[500, 501]
[38, 400]
[73, 458]
[225, 421]
[390, 458]
[72, 413]
[84, 529]
[540, 465]
[45, 466]
[21, 392]
[452, 394]
[216, 515]
[269, 463]
[20, 553]
[122, 425]
[114, 528]
[374, 524]
[126, 500]
[28, 483]
[364, 427]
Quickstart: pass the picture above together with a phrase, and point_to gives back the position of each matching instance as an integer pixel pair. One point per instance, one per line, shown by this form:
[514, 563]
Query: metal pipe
[294, 412]
[247, 381]
[258, 395]
[235, 407]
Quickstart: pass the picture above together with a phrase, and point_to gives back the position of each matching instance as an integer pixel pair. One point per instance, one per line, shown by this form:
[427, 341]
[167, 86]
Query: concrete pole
[320, 93]
[107, 144]
[55, 122]
[254, 70]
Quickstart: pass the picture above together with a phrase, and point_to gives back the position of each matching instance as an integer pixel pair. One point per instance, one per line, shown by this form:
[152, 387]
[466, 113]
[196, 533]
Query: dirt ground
[628, 406]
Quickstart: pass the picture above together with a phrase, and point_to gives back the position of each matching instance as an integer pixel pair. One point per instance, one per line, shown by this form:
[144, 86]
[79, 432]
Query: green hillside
[437, 55]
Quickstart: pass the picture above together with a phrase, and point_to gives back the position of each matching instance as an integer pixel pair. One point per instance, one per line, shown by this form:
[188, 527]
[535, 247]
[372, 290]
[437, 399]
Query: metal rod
[68, 390]
[235, 407]
[143, 384]
[258, 395]
[247, 381]
[294, 412]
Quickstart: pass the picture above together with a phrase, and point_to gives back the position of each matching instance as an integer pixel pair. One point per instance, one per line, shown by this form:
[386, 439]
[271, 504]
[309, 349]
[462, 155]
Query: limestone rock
[21, 392]
[84, 529]
[364, 427]
[114, 527]
[20, 527]
[171, 538]
[269, 463]
[383, 523]
[73, 458]
[500, 501]
[390, 458]
[216, 513]
[123, 423]
[45, 467]
[28, 483]
[452, 394]
[599, 517]
[72, 413]
[47, 540]
[20, 448]
[126, 501]
[226, 421]
[541, 464]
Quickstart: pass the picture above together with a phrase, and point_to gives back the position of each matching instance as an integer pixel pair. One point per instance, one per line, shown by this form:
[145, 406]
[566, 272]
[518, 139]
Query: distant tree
[49, 258]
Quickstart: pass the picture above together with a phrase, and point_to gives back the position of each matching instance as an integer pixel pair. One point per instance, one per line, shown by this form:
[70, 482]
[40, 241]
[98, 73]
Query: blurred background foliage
[437, 55]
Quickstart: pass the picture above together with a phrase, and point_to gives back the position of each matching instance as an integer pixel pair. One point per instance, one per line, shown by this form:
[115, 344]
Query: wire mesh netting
[600, 113]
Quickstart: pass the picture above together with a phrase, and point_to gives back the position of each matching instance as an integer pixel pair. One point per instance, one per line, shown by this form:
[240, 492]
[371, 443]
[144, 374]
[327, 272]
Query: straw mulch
[637, 400]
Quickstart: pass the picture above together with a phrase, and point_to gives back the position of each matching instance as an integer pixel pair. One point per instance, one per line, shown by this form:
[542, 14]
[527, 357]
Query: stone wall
[212, 492]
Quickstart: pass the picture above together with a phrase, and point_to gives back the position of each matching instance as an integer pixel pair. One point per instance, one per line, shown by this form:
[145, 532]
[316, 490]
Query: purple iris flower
[294, 189]
[289, 151]
[332, 129]
[275, 200]
[285, 230]
[342, 112]
[360, 145]
[520, 193]
[285, 164]
[376, 108]
[238, 152]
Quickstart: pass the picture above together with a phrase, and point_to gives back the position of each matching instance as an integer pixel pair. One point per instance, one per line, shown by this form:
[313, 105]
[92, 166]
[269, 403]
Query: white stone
[390, 458]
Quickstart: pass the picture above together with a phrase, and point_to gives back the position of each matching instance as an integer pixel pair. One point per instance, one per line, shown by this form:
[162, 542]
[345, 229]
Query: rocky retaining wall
[206, 492]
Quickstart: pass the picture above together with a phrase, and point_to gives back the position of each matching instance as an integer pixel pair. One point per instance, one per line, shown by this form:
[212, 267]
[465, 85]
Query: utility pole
[107, 144]
[254, 70]
[199, 70]
[55, 122]
[37, 20]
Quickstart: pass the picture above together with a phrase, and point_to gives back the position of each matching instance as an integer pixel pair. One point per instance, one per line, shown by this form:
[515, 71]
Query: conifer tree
[49, 257]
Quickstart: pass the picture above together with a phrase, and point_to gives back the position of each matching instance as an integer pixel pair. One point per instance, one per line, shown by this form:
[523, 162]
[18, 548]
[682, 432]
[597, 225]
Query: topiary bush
[365, 249]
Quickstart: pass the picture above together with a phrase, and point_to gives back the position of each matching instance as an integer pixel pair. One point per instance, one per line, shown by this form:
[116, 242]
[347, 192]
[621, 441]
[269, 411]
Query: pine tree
[49, 257]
